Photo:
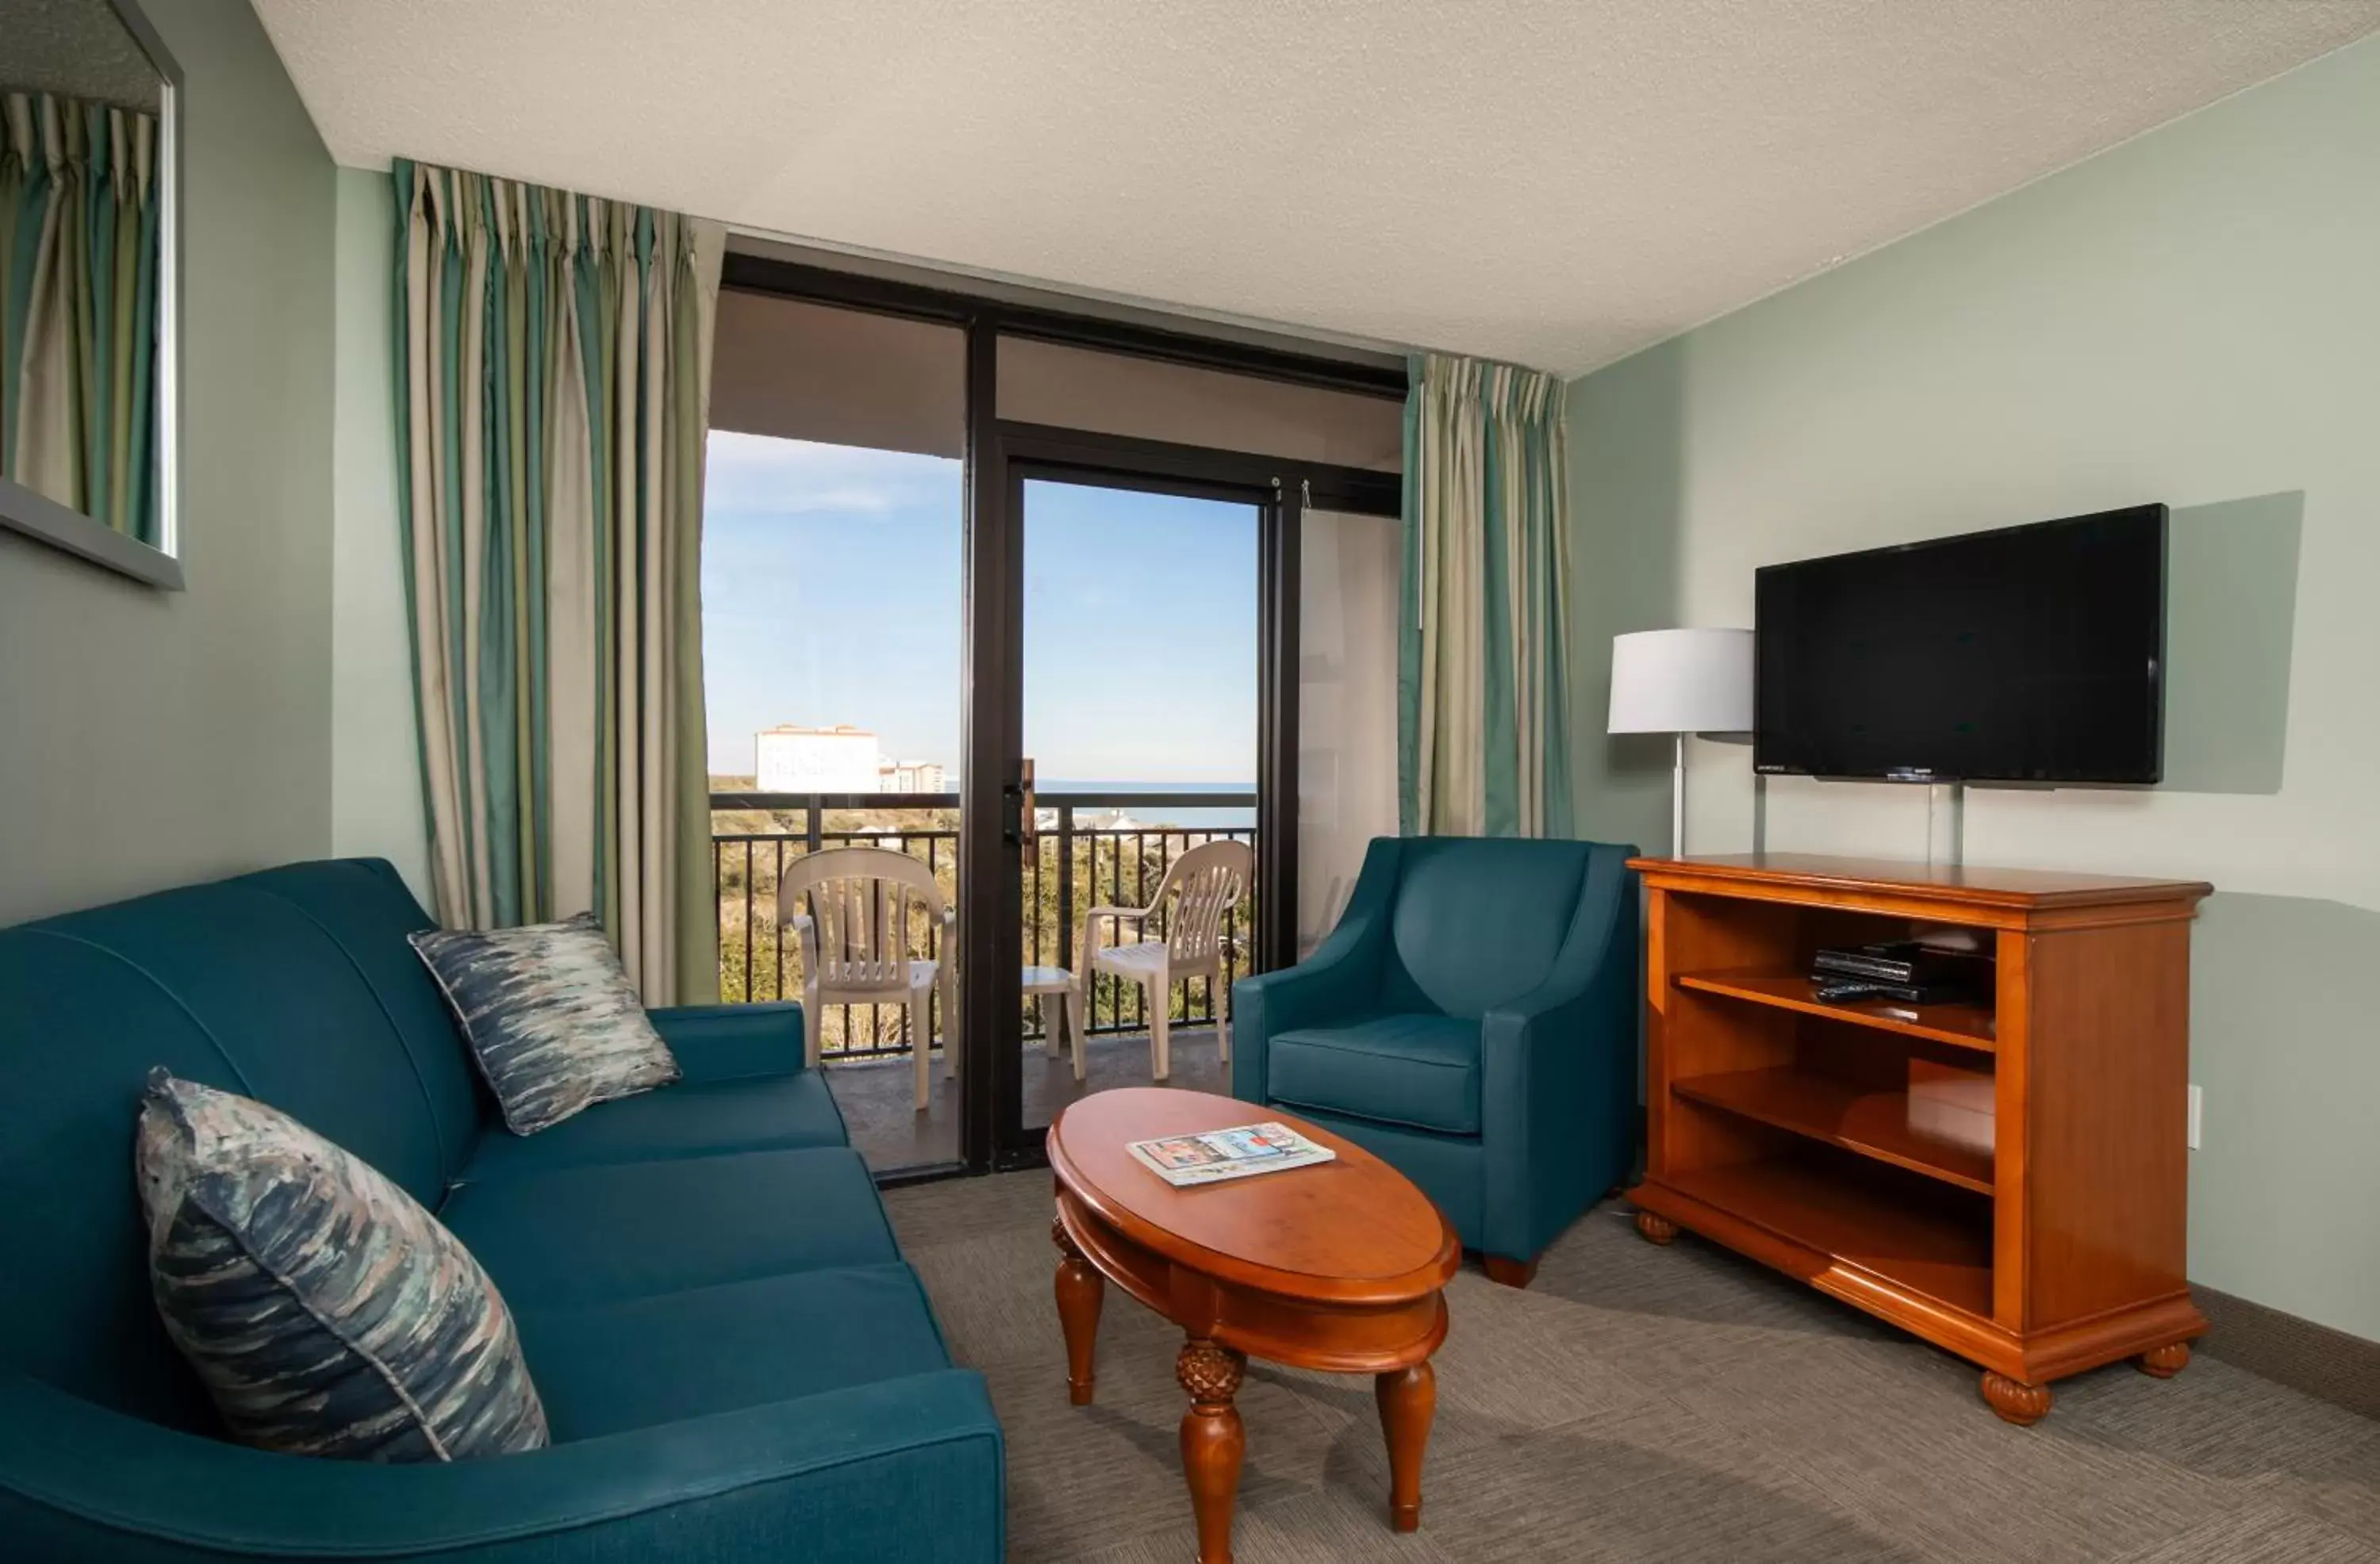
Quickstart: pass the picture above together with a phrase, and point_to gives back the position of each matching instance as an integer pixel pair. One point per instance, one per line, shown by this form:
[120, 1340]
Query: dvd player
[1902, 962]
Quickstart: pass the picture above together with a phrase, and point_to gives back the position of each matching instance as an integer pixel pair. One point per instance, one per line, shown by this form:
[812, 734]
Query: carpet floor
[1637, 1404]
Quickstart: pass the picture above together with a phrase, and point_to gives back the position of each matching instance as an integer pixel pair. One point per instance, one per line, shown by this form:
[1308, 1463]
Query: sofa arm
[722, 1042]
[908, 1468]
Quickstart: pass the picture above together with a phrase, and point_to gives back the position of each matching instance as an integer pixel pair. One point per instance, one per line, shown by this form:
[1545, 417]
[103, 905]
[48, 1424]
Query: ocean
[1185, 815]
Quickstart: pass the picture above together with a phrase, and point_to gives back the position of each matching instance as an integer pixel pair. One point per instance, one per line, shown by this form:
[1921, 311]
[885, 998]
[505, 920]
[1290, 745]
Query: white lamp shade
[1681, 682]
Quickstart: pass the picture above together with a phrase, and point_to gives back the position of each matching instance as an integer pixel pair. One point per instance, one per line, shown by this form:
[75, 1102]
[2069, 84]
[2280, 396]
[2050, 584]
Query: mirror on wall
[88, 267]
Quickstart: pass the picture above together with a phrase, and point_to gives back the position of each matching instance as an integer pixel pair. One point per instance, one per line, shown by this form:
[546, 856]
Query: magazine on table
[1213, 1156]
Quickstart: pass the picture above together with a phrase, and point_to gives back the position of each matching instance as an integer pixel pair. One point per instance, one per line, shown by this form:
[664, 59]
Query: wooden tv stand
[2007, 1180]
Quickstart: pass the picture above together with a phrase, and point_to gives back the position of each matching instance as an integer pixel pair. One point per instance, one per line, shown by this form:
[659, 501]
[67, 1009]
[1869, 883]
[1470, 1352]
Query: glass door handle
[1020, 830]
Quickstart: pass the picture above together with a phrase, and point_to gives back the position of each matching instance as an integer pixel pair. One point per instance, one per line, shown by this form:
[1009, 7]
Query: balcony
[1094, 849]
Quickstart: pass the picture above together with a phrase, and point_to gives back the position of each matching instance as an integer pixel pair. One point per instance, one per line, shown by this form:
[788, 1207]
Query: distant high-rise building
[910, 776]
[790, 758]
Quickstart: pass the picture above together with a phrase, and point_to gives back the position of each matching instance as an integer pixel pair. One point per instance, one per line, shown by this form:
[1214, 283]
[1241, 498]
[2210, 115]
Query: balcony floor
[886, 1129]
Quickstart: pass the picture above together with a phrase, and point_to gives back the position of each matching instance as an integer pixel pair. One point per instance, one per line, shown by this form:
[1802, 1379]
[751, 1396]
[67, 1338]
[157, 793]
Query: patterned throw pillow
[552, 1016]
[328, 1314]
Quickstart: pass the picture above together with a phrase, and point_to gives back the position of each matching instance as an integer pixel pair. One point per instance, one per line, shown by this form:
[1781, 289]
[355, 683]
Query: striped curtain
[1483, 738]
[554, 377]
[78, 273]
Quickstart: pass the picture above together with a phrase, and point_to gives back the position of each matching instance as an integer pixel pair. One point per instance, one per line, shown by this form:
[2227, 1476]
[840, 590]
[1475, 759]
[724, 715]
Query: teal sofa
[1472, 1021]
[736, 1360]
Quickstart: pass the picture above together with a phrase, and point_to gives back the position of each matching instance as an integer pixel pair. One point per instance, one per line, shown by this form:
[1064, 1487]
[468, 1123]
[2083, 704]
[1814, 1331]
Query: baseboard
[2328, 1365]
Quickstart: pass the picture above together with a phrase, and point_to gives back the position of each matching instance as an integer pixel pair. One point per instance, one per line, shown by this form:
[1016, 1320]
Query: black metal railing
[1114, 861]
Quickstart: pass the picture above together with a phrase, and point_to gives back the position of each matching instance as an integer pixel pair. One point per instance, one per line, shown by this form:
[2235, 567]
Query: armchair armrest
[1558, 1072]
[1340, 978]
[909, 1468]
[726, 1042]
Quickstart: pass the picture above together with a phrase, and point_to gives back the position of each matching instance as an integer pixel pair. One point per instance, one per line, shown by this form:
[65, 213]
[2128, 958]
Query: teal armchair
[1472, 1020]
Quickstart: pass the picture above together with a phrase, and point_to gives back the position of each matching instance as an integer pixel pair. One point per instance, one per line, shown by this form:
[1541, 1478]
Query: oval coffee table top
[1350, 1231]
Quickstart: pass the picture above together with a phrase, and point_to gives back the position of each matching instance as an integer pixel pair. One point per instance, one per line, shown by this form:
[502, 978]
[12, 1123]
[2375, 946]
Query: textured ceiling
[79, 48]
[1558, 182]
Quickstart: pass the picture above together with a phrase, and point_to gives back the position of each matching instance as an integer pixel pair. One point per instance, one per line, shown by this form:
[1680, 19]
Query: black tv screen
[2029, 654]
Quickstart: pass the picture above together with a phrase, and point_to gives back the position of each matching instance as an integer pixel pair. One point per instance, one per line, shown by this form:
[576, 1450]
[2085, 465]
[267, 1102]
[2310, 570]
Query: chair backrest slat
[1206, 883]
[860, 900]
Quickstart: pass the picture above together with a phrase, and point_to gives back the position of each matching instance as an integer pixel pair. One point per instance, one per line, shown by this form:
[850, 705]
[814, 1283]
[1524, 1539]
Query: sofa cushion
[691, 1119]
[244, 985]
[80, 1029]
[327, 1312]
[293, 1021]
[1418, 1070]
[608, 1367]
[601, 1234]
[551, 1016]
[363, 905]
[722, 1042]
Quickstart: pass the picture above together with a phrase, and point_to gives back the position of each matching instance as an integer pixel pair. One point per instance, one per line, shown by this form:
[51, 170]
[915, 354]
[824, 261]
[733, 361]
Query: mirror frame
[37, 515]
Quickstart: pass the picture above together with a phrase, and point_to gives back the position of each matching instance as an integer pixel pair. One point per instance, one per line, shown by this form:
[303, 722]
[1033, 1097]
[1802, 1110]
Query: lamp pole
[1678, 800]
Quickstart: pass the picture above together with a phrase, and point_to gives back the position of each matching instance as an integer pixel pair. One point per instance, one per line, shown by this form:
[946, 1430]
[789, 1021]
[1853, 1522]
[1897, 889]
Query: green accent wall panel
[2192, 317]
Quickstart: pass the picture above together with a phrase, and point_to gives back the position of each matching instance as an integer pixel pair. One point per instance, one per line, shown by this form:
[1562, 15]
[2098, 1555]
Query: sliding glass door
[1013, 595]
[1141, 701]
[1135, 691]
[1127, 696]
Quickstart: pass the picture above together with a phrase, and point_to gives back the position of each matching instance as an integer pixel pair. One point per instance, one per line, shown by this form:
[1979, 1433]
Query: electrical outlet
[2197, 1110]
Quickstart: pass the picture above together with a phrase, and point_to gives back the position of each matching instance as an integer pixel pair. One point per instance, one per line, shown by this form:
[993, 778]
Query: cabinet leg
[1213, 1441]
[2015, 1400]
[1658, 1230]
[1080, 1288]
[2163, 1363]
[1408, 1399]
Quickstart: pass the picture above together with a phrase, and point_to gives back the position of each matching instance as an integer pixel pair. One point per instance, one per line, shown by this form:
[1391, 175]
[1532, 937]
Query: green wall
[375, 759]
[153, 738]
[2193, 317]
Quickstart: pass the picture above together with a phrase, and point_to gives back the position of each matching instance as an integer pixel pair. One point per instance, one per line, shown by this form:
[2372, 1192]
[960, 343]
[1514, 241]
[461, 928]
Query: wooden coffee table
[1338, 1266]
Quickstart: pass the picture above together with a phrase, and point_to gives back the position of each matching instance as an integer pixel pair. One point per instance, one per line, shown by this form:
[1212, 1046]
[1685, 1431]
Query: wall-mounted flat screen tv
[2030, 654]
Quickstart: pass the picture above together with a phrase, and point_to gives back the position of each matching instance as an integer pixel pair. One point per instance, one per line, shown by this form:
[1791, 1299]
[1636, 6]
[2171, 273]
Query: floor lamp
[1681, 682]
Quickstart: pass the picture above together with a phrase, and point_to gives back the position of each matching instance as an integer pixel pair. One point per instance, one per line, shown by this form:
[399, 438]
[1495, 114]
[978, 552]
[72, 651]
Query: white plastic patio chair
[850, 906]
[1206, 882]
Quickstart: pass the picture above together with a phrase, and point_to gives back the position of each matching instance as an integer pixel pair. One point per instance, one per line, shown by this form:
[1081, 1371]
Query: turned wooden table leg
[1213, 1441]
[2015, 1400]
[1080, 1287]
[1408, 1399]
[1658, 1230]
[2163, 1363]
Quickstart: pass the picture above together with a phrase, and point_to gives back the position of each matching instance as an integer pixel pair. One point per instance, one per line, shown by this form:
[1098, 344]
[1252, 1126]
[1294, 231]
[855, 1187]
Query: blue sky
[831, 594]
